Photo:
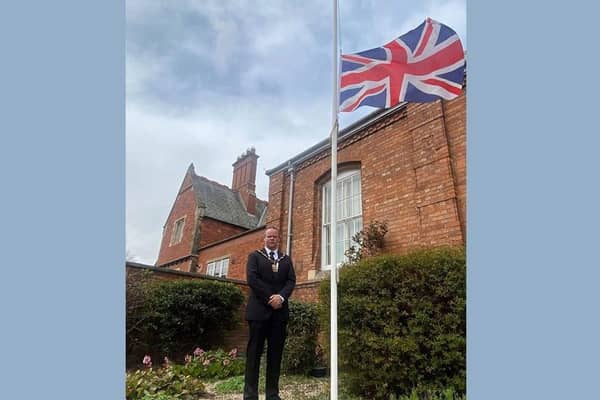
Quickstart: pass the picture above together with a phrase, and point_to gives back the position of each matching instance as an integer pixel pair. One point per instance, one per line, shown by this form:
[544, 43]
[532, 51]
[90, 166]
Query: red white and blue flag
[420, 66]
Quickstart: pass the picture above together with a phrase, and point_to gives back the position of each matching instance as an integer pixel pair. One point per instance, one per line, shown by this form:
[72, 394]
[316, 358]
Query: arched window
[349, 216]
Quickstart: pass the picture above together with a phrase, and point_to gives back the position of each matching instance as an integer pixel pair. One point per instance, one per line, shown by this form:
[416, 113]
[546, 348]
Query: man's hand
[275, 301]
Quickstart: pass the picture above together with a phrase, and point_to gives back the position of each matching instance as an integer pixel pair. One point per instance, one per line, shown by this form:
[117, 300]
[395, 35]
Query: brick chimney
[244, 179]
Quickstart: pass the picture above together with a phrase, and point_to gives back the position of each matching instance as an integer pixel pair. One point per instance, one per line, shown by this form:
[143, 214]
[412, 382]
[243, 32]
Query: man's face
[271, 239]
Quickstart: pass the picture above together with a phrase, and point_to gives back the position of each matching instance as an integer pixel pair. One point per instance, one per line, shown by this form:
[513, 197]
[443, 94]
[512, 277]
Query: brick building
[206, 212]
[405, 166]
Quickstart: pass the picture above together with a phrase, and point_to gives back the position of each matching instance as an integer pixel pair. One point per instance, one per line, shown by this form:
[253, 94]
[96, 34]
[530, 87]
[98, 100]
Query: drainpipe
[289, 226]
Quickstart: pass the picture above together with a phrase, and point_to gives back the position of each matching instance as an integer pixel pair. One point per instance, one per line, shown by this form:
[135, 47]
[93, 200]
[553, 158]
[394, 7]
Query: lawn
[299, 387]
[292, 387]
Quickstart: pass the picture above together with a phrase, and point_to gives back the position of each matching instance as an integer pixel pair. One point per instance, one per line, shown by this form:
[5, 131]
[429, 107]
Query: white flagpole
[333, 216]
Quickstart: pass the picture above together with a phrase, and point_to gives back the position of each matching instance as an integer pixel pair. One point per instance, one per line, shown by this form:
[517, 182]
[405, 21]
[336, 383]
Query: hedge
[301, 343]
[171, 318]
[402, 322]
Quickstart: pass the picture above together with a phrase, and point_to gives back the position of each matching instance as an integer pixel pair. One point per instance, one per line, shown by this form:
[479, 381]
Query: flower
[147, 361]
[233, 352]
[206, 362]
[198, 352]
[225, 361]
[167, 361]
[188, 359]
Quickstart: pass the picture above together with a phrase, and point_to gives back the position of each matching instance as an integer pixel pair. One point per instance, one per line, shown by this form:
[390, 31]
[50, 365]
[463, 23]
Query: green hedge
[402, 322]
[173, 317]
[301, 342]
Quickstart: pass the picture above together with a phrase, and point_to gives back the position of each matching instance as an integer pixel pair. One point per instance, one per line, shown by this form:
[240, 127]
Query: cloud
[208, 79]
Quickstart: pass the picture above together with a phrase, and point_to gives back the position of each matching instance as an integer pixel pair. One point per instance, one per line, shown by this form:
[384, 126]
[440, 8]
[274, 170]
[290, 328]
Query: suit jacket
[264, 282]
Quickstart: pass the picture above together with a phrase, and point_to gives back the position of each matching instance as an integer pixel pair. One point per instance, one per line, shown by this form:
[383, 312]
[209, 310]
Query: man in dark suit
[271, 278]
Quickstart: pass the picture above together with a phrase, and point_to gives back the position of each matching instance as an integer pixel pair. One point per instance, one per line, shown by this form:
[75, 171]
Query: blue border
[532, 188]
[533, 199]
[62, 161]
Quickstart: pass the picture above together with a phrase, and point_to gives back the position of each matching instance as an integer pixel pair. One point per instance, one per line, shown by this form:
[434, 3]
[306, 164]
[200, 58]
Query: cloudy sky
[207, 79]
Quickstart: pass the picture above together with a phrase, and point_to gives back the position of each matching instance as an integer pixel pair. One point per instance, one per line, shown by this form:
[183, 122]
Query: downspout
[461, 217]
[289, 226]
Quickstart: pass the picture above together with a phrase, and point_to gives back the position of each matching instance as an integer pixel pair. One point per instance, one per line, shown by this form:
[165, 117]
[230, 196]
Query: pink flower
[167, 361]
[188, 359]
[198, 352]
[206, 362]
[225, 361]
[147, 361]
[233, 353]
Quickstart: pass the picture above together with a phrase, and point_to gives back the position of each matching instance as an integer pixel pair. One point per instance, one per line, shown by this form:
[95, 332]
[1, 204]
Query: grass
[297, 387]
[291, 386]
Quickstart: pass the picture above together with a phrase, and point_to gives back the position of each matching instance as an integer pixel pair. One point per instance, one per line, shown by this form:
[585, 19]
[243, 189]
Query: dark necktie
[274, 265]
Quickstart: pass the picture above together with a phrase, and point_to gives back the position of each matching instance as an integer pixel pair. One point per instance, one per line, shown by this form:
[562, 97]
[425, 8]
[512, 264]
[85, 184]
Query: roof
[223, 204]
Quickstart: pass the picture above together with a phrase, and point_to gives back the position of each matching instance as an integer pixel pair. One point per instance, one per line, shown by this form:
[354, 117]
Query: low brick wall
[306, 291]
[236, 338]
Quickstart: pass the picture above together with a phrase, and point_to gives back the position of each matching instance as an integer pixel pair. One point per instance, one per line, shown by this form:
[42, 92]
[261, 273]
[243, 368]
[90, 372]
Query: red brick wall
[184, 206]
[413, 176]
[214, 231]
[307, 292]
[236, 249]
[185, 264]
[457, 140]
[275, 210]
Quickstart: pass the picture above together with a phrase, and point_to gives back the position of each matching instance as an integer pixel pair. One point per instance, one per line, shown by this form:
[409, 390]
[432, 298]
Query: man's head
[271, 238]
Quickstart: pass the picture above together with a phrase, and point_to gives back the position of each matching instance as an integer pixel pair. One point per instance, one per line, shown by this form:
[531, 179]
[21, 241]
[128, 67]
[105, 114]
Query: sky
[206, 80]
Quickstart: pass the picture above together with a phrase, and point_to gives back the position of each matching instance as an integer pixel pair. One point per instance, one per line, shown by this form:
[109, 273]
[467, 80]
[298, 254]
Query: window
[349, 216]
[218, 268]
[177, 231]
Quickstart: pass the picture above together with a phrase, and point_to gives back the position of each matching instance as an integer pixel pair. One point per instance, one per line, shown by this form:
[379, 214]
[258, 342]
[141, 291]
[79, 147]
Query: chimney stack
[244, 179]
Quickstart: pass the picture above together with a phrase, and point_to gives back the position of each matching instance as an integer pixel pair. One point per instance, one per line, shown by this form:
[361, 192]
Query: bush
[368, 242]
[138, 286]
[401, 322]
[170, 317]
[428, 394]
[301, 342]
[162, 383]
[212, 364]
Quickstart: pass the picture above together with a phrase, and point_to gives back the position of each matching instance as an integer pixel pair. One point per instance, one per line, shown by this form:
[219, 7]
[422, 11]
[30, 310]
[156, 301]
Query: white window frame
[177, 233]
[349, 214]
[218, 268]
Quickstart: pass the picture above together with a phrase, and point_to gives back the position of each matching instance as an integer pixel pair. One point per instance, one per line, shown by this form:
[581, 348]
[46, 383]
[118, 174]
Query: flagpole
[333, 214]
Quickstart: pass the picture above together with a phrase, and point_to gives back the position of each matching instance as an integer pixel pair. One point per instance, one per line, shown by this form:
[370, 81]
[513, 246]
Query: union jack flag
[420, 66]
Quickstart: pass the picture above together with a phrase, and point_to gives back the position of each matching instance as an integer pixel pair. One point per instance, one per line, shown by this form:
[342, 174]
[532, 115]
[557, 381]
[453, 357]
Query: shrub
[301, 342]
[431, 394]
[401, 322]
[368, 242]
[137, 315]
[162, 383]
[212, 364]
[171, 317]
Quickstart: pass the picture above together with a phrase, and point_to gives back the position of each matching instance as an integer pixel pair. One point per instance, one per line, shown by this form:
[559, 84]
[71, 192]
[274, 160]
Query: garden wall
[307, 291]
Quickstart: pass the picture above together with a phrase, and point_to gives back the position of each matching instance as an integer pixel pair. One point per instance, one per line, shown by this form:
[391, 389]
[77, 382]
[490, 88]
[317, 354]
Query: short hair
[273, 228]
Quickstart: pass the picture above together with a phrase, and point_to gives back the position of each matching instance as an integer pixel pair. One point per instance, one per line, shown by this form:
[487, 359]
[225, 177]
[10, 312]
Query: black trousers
[274, 332]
